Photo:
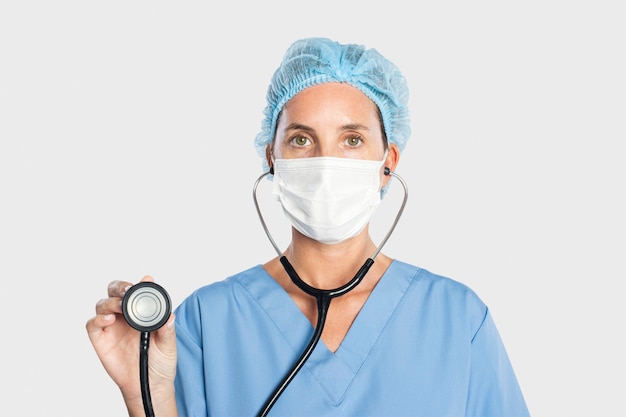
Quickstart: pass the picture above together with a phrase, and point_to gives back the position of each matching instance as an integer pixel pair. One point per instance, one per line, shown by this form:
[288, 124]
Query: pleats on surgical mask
[328, 199]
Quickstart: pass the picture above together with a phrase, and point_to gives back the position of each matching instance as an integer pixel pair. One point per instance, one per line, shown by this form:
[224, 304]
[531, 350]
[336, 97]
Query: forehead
[333, 97]
[331, 101]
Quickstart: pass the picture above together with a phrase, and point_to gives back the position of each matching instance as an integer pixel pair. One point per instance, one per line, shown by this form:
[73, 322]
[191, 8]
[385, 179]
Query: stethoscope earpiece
[146, 306]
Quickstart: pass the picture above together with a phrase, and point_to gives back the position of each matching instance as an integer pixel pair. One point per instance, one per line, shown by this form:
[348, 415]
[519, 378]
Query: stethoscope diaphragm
[146, 306]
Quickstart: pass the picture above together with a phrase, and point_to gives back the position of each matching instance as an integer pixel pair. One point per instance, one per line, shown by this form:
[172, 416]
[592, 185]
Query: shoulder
[222, 291]
[440, 295]
[215, 300]
[434, 283]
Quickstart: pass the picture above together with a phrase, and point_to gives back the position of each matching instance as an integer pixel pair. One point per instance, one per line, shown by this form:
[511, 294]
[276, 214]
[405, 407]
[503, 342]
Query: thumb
[167, 337]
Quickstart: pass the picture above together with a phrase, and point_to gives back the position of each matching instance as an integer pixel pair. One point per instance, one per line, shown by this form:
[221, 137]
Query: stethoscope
[322, 297]
[146, 306]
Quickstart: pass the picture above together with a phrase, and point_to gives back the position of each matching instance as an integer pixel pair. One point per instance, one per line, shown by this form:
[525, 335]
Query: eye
[300, 140]
[353, 141]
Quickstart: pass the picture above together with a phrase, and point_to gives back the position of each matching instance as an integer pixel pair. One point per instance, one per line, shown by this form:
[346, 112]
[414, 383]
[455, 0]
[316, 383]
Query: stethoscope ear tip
[387, 171]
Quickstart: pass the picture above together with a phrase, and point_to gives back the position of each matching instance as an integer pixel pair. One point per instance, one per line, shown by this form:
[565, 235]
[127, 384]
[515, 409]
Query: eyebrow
[354, 126]
[349, 126]
[298, 126]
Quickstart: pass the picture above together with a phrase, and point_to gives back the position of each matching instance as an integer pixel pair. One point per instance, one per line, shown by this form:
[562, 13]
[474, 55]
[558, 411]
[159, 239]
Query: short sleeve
[189, 382]
[494, 390]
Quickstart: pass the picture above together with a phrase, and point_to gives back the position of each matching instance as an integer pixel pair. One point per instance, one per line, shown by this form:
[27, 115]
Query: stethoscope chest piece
[146, 306]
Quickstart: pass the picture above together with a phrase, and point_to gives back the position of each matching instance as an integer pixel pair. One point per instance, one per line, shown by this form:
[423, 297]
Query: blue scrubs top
[422, 346]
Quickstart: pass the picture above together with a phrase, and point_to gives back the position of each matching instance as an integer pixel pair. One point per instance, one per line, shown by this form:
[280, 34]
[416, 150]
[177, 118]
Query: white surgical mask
[328, 199]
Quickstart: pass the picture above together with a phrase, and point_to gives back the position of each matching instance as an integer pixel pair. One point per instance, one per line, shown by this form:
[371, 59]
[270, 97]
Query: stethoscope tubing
[144, 345]
[322, 297]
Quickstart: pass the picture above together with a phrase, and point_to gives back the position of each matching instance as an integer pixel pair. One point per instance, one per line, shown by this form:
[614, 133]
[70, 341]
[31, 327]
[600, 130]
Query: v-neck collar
[335, 371]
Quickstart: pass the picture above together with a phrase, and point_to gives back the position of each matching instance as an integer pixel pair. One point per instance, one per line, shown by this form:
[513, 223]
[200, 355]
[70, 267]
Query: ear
[268, 156]
[393, 157]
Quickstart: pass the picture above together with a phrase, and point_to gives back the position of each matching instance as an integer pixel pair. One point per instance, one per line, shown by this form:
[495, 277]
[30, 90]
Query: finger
[99, 322]
[168, 327]
[147, 278]
[111, 305]
[168, 330]
[118, 288]
[167, 335]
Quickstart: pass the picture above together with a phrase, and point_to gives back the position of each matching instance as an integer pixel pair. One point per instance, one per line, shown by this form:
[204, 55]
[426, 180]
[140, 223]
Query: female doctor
[401, 341]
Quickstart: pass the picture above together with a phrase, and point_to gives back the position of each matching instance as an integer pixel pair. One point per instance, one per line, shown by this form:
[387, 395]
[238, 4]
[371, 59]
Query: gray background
[126, 135]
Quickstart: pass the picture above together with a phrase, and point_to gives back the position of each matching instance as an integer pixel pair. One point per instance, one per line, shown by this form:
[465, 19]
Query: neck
[328, 266]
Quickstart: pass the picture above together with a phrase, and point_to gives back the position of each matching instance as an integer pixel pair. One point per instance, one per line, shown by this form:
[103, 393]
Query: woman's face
[331, 119]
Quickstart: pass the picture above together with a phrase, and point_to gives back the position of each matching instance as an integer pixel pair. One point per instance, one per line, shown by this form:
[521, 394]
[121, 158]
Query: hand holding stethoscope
[118, 344]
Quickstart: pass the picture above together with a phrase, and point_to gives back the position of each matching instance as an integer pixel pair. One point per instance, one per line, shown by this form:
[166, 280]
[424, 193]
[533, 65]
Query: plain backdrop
[126, 149]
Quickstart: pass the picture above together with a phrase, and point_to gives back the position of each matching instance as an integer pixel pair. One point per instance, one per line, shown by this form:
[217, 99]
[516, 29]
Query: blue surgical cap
[314, 61]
